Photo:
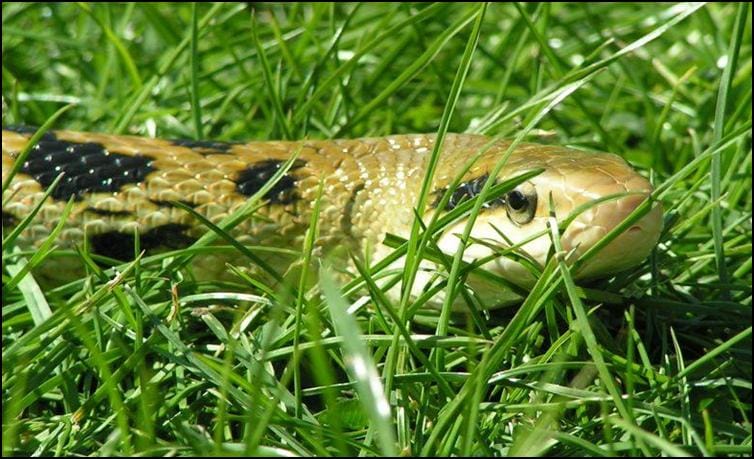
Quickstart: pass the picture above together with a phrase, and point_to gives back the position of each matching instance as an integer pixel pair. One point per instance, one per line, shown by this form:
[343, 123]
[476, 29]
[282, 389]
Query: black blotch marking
[465, 191]
[105, 212]
[346, 222]
[253, 178]
[205, 147]
[9, 220]
[120, 246]
[89, 168]
[29, 130]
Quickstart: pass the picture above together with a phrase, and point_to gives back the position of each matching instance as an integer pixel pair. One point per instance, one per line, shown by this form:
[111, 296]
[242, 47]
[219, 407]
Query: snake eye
[521, 204]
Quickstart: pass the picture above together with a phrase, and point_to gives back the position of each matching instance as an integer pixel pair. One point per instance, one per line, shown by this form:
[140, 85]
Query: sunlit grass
[655, 360]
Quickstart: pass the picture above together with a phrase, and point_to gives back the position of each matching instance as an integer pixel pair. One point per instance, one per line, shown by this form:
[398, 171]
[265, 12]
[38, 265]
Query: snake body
[370, 186]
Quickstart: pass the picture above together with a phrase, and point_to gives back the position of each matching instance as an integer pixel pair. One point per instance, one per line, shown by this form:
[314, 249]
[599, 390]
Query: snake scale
[120, 184]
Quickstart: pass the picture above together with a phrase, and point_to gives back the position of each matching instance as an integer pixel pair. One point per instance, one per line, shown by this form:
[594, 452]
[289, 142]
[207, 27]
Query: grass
[653, 361]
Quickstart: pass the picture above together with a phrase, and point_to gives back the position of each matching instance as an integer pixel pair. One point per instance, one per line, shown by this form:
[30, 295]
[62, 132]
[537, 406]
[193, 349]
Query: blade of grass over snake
[15, 232]
[312, 233]
[44, 249]
[458, 256]
[40, 310]
[360, 366]
[471, 424]
[461, 211]
[223, 233]
[413, 254]
[451, 410]
[583, 323]
[236, 218]
[414, 249]
[659, 192]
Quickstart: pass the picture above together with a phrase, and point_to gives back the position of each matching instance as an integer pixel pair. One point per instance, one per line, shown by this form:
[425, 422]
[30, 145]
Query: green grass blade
[360, 365]
[722, 102]
[196, 107]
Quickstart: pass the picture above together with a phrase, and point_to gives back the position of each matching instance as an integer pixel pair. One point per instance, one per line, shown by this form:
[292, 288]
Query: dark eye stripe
[465, 191]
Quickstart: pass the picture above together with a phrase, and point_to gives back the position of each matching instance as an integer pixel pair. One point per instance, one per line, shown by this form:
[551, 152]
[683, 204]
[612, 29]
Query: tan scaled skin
[370, 187]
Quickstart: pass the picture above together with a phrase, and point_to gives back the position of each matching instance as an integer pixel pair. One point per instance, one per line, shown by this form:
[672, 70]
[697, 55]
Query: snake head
[592, 192]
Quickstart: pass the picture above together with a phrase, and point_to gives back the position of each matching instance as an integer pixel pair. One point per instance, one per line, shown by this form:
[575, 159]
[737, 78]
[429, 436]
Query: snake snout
[630, 247]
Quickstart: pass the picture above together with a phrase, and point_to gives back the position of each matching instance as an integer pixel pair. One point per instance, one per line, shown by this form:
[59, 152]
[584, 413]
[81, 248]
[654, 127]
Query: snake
[119, 186]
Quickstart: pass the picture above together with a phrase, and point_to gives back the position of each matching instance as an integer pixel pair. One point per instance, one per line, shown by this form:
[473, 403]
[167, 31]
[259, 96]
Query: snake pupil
[521, 204]
[517, 200]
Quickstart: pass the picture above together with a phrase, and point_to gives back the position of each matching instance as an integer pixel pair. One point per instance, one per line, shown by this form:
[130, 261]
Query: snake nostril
[634, 229]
